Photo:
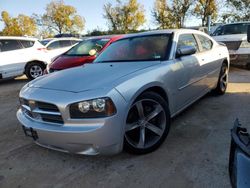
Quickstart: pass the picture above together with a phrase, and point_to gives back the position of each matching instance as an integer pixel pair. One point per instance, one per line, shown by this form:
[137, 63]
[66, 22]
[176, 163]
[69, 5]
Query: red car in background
[84, 52]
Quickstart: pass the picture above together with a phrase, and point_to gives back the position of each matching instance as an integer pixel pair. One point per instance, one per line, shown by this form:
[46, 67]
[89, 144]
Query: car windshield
[83, 48]
[142, 48]
[231, 29]
[45, 42]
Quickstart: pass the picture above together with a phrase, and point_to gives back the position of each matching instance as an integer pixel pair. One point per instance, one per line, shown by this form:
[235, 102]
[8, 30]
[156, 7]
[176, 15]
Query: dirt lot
[195, 153]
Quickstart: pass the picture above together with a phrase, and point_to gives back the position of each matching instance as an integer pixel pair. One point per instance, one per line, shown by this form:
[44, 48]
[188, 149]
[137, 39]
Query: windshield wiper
[135, 60]
[76, 54]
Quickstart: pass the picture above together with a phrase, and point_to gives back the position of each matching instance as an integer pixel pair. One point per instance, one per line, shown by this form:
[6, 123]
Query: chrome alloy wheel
[224, 78]
[145, 124]
[36, 71]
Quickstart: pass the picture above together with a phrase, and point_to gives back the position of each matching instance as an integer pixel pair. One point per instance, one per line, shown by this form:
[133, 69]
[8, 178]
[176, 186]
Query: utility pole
[209, 23]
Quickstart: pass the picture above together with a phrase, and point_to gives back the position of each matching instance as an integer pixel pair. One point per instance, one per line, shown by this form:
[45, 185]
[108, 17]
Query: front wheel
[147, 124]
[222, 81]
[34, 70]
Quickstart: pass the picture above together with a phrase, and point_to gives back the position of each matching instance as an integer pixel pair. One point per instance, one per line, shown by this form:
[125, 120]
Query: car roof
[111, 37]
[164, 31]
[62, 38]
[195, 27]
[18, 38]
[237, 23]
[105, 37]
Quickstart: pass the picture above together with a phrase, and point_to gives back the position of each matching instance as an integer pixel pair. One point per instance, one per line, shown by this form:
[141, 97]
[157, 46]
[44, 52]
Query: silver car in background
[126, 98]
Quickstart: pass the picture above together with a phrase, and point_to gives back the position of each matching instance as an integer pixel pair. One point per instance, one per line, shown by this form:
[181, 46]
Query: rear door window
[187, 40]
[27, 43]
[9, 45]
[205, 42]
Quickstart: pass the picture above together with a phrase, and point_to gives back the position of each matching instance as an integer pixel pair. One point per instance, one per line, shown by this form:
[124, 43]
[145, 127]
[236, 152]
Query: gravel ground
[195, 154]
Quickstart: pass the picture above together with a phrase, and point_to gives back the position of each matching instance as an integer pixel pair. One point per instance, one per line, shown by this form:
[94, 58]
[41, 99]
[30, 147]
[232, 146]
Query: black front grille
[52, 118]
[232, 45]
[47, 107]
[24, 101]
[41, 111]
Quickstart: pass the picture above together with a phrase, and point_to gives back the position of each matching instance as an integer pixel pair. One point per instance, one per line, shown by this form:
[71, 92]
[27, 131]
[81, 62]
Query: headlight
[95, 108]
[245, 44]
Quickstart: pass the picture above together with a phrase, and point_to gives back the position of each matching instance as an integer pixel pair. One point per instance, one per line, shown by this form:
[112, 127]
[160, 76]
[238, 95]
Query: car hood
[64, 61]
[90, 76]
[225, 38]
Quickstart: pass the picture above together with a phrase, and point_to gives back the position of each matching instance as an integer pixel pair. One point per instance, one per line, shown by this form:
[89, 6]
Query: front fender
[130, 90]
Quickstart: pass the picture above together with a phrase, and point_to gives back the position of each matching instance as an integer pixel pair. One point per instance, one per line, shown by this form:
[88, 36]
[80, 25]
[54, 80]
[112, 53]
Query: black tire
[145, 99]
[34, 70]
[222, 81]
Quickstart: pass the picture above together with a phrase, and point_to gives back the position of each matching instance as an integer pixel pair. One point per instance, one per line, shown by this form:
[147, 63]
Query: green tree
[172, 16]
[112, 15]
[27, 25]
[62, 18]
[162, 15]
[179, 11]
[18, 26]
[239, 10]
[126, 17]
[205, 8]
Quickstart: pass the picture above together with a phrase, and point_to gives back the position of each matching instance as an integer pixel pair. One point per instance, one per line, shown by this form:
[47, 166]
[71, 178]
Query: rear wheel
[147, 124]
[222, 81]
[34, 70]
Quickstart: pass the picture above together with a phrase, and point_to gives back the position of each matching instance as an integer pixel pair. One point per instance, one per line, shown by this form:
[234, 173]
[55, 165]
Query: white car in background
[234, 36]
[57, 46]
[22, 55]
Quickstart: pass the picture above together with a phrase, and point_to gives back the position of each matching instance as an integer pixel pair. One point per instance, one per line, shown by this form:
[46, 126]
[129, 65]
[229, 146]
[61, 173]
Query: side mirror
[185, 50]
[92, 52]
[248, 33]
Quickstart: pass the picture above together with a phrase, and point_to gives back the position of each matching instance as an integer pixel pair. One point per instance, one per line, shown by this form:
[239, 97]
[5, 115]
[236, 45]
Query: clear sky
[91, 10]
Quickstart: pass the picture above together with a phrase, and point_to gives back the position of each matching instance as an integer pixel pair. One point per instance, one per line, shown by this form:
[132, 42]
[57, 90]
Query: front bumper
[81, 136]
[102, 137]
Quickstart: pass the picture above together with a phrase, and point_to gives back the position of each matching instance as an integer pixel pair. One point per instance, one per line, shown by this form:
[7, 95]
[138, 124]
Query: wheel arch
[34, 61]
[157, 89]
[152, 87]
[226, 61]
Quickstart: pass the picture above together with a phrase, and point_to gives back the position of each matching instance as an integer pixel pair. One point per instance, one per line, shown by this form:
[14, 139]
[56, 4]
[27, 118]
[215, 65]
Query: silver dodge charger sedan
[126, 98]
